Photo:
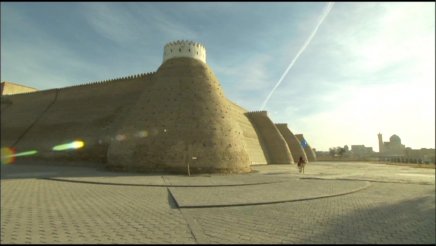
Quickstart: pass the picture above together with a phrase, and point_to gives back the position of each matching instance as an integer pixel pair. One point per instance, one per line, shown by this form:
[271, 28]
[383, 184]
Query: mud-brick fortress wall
[256, 148]
[294, 145]
[276, 146]
[311, 156]
[187, 116]
[148, 122]
[9, 88]
[88, 112]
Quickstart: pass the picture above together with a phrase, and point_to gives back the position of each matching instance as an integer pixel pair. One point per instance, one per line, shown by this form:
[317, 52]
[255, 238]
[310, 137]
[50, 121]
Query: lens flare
[73, 145]
[120, 137]
[7, 155]
[142, 134]
[26, 153]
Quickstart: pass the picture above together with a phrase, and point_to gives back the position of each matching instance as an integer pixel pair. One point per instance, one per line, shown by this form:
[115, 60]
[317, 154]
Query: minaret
[380, 143]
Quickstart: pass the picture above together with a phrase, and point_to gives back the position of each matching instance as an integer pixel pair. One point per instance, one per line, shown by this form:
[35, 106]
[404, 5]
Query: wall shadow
[22, 169]
[409, 221]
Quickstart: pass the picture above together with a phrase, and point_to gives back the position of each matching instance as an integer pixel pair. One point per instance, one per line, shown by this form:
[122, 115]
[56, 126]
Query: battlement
[135, 76]
[102, 82]
[261, 112]
[10, 88]
[282, 124]
[40, 92]
[184, 48]
[149, 122]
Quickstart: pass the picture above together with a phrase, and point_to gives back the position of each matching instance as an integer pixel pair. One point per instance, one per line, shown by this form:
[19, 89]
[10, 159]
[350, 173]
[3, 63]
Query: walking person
[301, 163]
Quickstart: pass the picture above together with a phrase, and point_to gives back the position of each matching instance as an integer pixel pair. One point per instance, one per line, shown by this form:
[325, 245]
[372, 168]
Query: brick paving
[395, 209]
[42, 211]
[379, 214]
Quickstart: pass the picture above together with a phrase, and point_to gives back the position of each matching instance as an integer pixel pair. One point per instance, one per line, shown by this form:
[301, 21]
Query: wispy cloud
[385, 36]
[368, 60]
[169, 27]
[128, 23]
[112, 21]
[45, 62]
[323, 16]
[244, 80]
[379, 65]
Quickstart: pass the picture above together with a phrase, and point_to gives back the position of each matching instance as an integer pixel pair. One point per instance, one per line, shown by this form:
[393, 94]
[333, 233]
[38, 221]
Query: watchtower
[184, 48]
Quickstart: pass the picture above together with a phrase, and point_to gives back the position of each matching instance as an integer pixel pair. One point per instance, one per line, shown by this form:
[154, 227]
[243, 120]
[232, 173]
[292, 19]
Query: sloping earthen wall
[89, 113]
[8, 88]
[277, 148]
[20, 112]
[5, 103]
[258, 153]
[292, 141]
[184, 115]
[307, 149]
[165, 120]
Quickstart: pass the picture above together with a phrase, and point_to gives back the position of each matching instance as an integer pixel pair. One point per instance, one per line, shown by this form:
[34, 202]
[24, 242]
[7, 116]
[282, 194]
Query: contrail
[324, 14]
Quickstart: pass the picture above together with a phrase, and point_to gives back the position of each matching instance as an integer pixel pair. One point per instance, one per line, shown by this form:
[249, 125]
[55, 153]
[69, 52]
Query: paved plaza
[332, 202]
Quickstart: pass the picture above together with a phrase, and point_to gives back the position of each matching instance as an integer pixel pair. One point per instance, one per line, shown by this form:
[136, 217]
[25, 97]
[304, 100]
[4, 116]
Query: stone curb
[153, 185]
[222, 185]
[368, 184]
[370, 180]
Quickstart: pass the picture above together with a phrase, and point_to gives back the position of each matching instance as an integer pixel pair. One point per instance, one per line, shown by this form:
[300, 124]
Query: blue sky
[370, 67]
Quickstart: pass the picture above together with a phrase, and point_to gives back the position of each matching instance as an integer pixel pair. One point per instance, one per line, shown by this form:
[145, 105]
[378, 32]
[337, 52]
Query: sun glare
[73, 145]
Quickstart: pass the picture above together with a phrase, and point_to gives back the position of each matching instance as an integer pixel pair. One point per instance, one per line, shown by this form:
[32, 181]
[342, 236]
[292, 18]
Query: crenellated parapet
[135, 76]
[276, 146]
[176, 119]
[94, 83]
[282, 124]
[292, 141]
[260, 112]
[184, 48]
[41, 92]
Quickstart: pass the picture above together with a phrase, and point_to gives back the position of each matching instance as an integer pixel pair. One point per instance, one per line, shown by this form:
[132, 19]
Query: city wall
[292, 141]
[20, 112]
[276, 146]
[9, 88]
[255, 147]
[188, 120]
[175, 119]
[311, 156]
[88, 112]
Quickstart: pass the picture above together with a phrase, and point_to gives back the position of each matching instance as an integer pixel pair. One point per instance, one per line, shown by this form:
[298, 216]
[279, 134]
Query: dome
[395, 139]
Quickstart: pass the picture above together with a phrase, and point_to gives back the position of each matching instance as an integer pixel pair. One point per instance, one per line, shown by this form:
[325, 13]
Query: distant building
[394, 151]
[360, 151]
[419, 155]
[9, 88]
[393, 147]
